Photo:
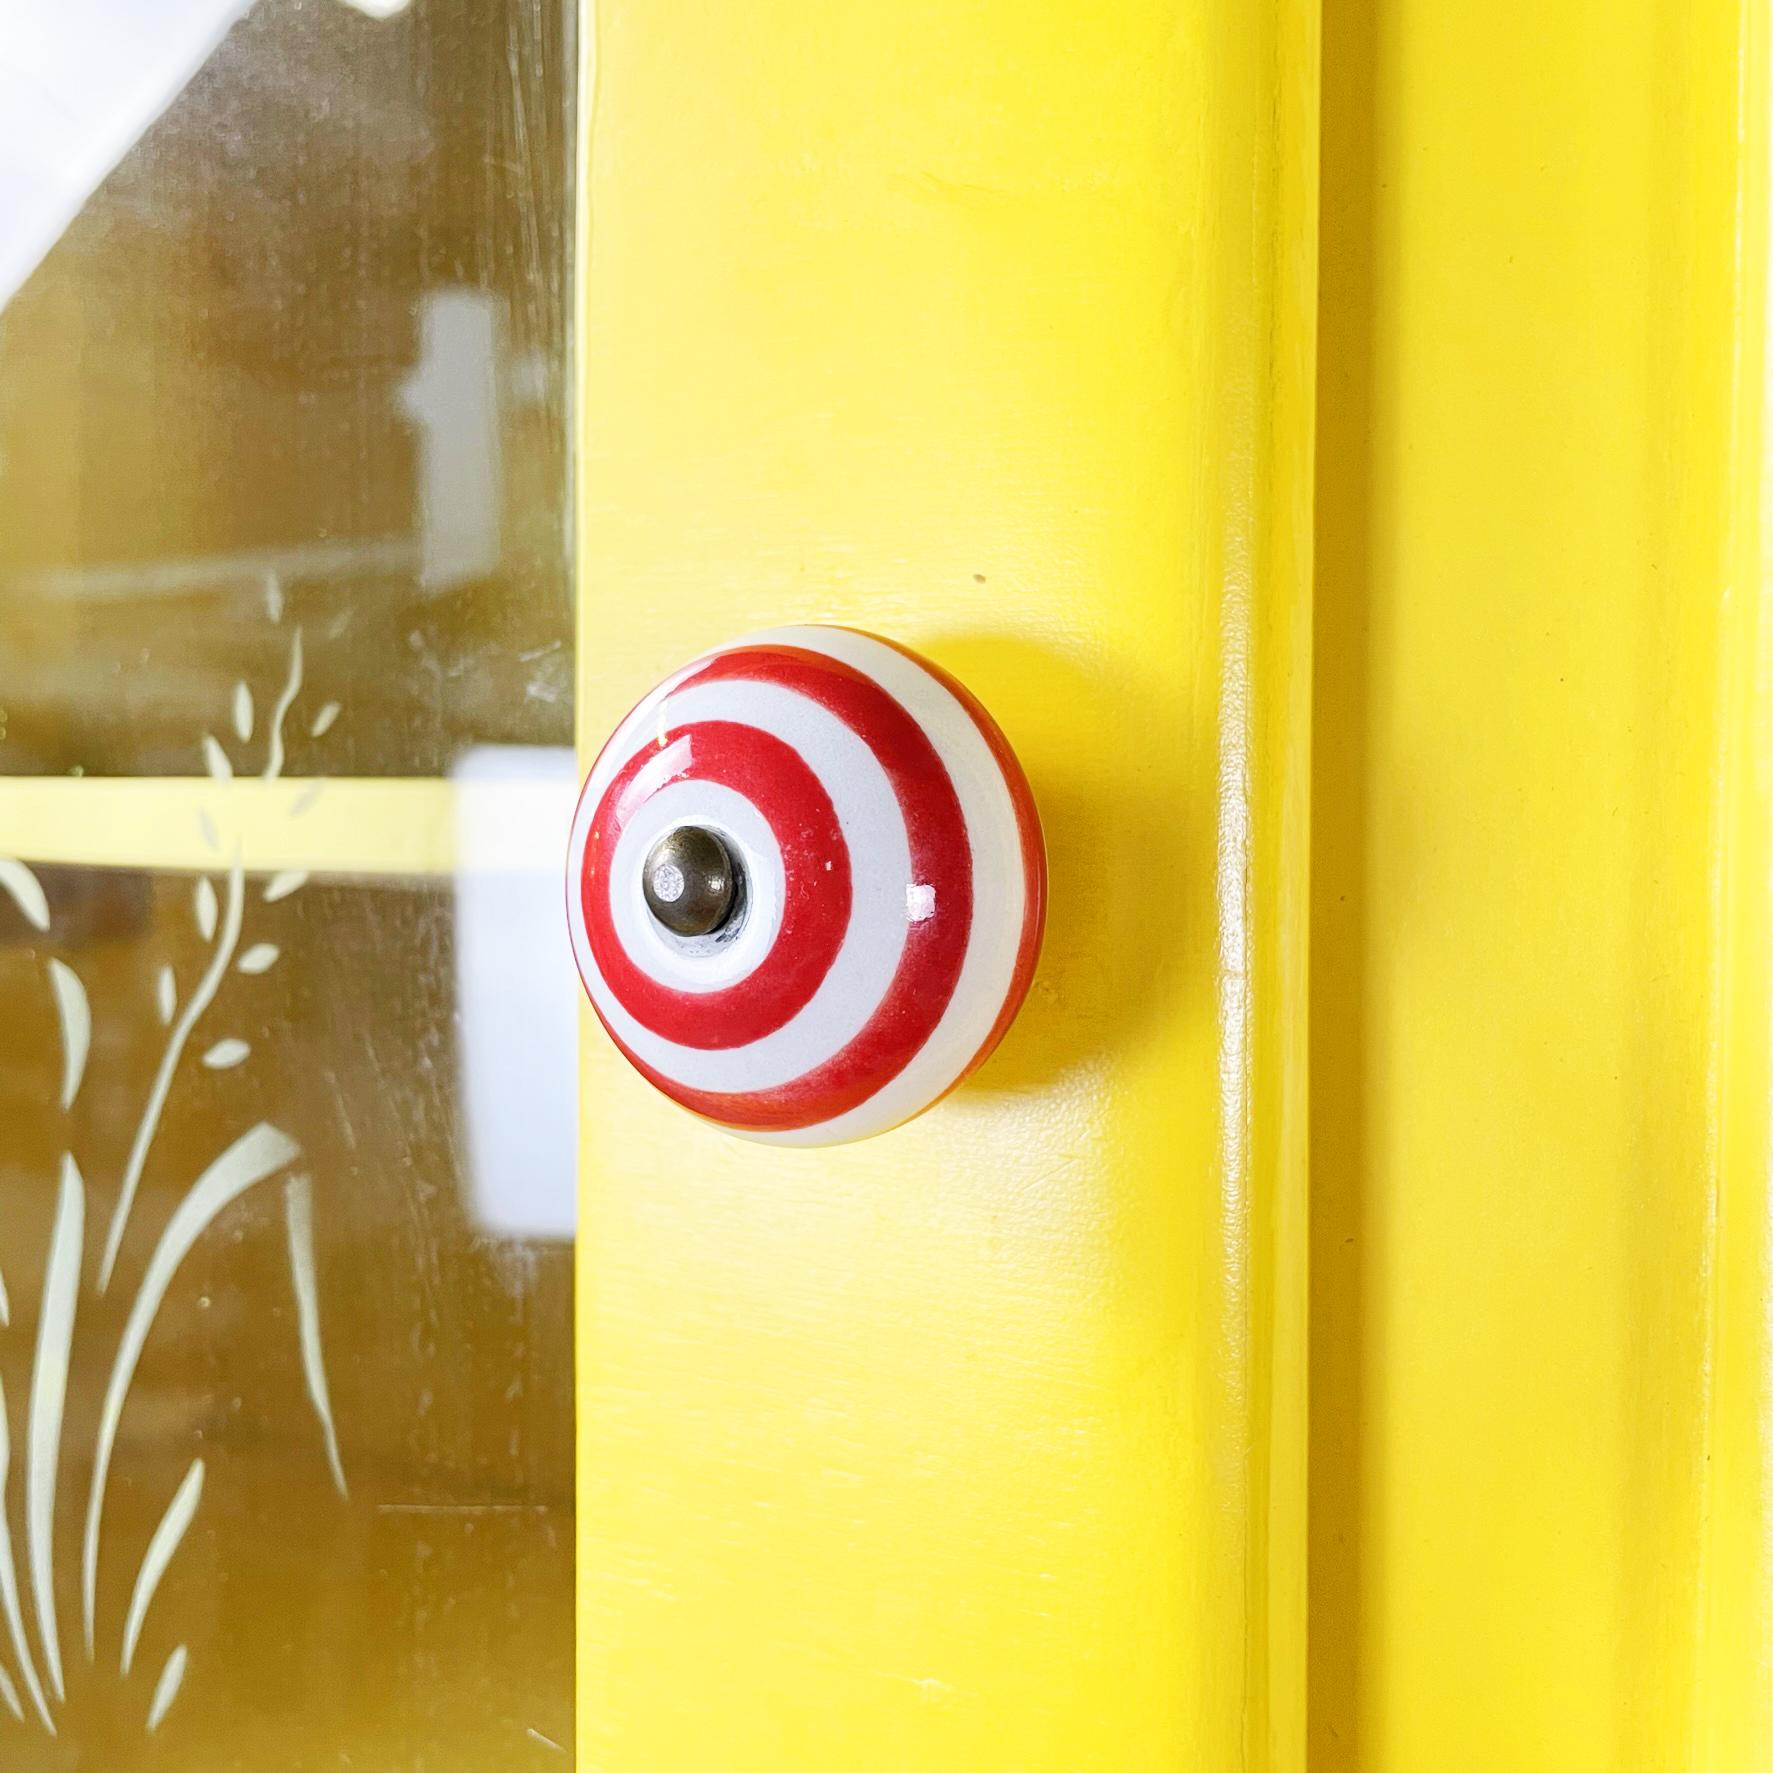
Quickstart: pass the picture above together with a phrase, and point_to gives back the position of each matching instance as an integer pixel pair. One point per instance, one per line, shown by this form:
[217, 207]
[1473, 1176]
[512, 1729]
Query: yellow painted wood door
[996, 328]
[987, 327]
[1332, 1331]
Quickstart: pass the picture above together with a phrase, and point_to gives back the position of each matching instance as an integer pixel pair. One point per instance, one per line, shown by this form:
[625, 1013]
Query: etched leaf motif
[26, 890]
[166, 994]
[324, 719]
[306, 798]
[226, 1054]
[260, 957]
[166, 1689]
[206, 908]
[282, 884]
[242, 711]
[76, 1019]
[206, 825]
[216, 759]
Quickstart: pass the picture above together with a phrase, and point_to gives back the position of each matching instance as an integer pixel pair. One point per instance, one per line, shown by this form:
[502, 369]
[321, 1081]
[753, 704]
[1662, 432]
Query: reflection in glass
[300, 341]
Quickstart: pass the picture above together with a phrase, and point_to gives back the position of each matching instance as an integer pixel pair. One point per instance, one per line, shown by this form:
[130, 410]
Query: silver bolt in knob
[689, 881]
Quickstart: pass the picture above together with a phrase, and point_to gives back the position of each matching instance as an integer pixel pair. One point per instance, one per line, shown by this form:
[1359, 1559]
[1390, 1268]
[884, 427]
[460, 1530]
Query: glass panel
[302, 345]
[345, 1447]
[286, 1476]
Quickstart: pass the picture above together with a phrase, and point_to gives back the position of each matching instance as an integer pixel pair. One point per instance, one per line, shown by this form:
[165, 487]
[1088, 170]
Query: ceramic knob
[806, 885]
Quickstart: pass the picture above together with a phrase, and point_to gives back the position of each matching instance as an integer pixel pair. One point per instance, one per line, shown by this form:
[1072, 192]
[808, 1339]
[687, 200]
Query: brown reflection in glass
[306, 343]
[423, 1618]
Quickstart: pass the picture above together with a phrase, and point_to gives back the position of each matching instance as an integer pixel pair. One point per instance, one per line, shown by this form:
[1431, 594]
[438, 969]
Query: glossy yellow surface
[1540, 1012]
[979, 1445]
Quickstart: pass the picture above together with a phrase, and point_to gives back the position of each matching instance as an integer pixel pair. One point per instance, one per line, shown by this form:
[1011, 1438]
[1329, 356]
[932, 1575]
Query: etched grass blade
[166, 1689]
[49, 1393]
[149, 1124]
[11, 1606]
[298, 1215]
[260, 1152]
[166, 1540]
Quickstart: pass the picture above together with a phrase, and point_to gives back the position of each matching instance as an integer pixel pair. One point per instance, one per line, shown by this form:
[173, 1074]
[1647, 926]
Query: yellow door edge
[1280, 898]
[1734, 1638]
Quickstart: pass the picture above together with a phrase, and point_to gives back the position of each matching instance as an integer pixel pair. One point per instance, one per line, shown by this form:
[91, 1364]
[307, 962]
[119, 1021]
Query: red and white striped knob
[887, 890]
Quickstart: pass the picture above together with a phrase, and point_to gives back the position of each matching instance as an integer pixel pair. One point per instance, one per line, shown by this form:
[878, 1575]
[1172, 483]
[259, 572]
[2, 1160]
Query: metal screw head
[689, 881]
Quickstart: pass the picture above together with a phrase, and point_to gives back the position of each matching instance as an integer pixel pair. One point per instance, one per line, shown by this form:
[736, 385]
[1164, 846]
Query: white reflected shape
[516, 990]
[49, 1394]
[166, 1689]
[259, 958]
[80, 80]
[226, 1054]
[166, 994]
[75, 1015]
[242, 712]
[452, 398]
[167, 1536]
[281, 885]
[9, 1693]
[215, 759]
